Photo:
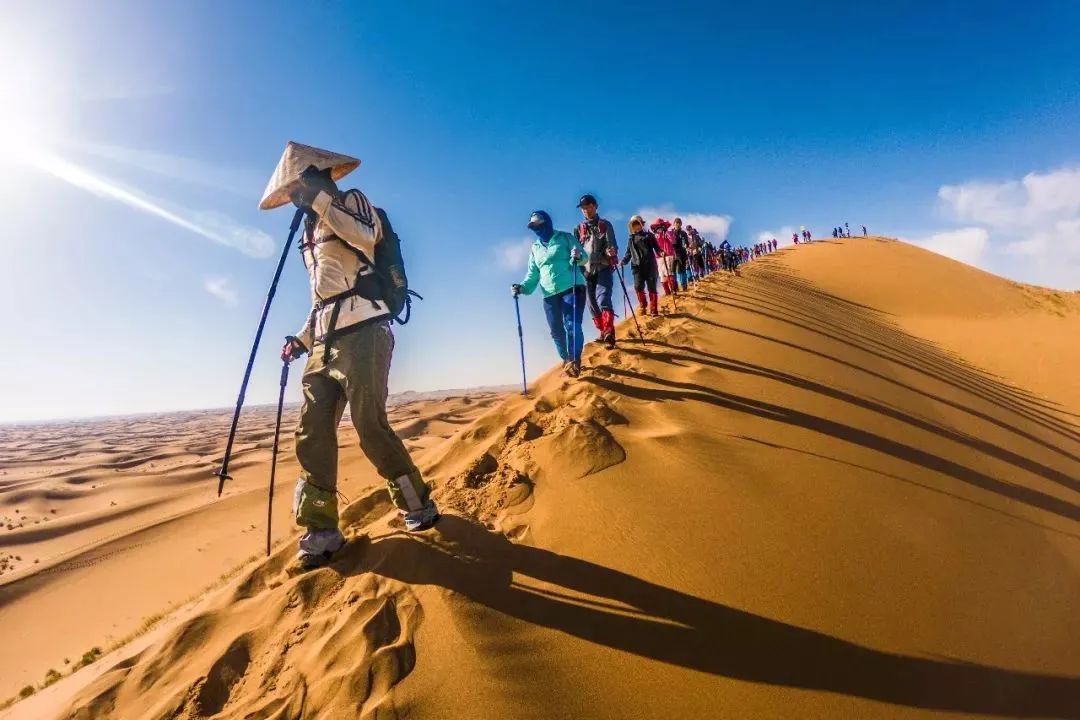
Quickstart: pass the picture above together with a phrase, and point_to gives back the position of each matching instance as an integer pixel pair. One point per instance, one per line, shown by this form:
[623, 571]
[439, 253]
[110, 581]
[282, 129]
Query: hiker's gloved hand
[309, 183]
[292, 349]
[575, 254]
[303, 195]
[515, 289]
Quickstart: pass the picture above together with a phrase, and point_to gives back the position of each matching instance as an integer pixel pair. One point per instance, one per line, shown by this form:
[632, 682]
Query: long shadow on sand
[700, 357]
[687, 631]
[780, 295]
[671, 390]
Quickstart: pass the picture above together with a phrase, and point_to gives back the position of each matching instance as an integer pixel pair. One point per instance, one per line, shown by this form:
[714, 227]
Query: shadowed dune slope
[823, 489]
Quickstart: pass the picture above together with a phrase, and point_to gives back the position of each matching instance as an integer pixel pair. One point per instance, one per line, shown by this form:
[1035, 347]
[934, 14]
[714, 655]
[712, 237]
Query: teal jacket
[549, 265]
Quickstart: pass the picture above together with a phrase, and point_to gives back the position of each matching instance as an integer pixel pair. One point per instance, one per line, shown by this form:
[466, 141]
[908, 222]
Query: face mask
[544, 232]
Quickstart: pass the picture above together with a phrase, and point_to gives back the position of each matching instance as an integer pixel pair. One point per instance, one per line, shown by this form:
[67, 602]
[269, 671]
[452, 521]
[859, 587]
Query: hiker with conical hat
[358, 285]
[555, 263]
[597, 236]
[659, 228]
[642, 252]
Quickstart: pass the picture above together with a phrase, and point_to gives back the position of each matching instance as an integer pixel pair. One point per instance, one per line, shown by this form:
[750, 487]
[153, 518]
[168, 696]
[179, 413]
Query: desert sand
[105, 524]
[844, 483]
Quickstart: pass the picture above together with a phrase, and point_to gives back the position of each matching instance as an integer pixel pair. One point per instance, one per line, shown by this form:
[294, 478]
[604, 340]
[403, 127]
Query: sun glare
[32, 111]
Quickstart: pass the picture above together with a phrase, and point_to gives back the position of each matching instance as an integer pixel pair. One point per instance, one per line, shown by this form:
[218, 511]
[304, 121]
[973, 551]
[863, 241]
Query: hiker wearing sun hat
[357, 276]
[641, 253]
[555, 262]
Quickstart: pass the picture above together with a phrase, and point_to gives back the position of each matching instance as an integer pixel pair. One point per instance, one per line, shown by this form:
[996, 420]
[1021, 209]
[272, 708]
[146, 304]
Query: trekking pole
[521, 342]
[571, 339]
[223, 473]
[273, 453]
[626, 299]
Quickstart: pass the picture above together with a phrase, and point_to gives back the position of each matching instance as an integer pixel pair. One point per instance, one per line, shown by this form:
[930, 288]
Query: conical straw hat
[294, 161]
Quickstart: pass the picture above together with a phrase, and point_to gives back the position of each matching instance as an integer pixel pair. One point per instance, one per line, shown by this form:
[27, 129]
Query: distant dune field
[842, 484]
[106, 523]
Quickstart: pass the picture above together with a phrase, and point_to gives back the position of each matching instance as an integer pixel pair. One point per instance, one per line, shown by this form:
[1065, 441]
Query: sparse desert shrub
[27, 691]
[88, 657]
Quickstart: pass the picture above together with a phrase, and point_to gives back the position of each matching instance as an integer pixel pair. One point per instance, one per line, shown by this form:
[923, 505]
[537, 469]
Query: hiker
[349, 345]
[695, 247]
[700, 250]
[659, 229]
[597, 236]
[642, 252]
[691, 248]
[555, 260]
[678, 241]
[864, 231]
[727, 256]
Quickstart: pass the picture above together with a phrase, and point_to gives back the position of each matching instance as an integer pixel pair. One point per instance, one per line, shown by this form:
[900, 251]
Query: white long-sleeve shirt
[333, 268]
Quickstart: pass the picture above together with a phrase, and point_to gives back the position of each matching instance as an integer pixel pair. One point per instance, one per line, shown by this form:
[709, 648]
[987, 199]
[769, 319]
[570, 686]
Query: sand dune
[109, 522]
[845, 483]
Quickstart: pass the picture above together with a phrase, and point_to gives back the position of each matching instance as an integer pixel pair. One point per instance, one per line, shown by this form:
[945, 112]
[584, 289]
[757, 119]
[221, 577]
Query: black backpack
[390, 269]
[388, 284]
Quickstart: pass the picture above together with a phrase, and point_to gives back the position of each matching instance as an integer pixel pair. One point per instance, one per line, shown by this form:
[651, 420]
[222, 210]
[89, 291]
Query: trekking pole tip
[222, 476]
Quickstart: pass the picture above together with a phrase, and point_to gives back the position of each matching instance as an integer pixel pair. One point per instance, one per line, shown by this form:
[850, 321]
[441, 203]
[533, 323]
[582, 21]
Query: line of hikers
[578, 270]
[359, 286]
[845, 231]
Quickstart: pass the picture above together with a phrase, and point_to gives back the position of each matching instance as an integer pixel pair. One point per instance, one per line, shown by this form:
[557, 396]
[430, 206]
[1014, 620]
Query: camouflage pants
[354, 374]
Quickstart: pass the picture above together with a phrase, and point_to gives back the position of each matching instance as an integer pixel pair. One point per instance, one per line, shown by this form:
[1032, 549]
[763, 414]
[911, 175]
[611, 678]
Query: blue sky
[139, 137]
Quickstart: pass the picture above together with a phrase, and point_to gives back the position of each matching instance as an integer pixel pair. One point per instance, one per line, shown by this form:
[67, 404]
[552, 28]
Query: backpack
[389, 266]
[583, 230]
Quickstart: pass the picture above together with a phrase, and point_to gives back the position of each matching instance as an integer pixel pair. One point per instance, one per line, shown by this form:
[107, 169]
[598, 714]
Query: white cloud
[222, 288]
[783, 235]
[513, 254]
[968, 245]
[1034, 221]
[713, 227]
[1036, 200]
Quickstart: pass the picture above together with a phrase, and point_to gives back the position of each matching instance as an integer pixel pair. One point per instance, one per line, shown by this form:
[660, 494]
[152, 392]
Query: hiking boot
[609, 339]
[422, 519]
[317, 547]
[573, 369]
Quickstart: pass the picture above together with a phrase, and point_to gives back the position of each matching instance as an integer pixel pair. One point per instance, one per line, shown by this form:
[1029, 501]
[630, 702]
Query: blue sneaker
[421, 519]
[317, 547]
